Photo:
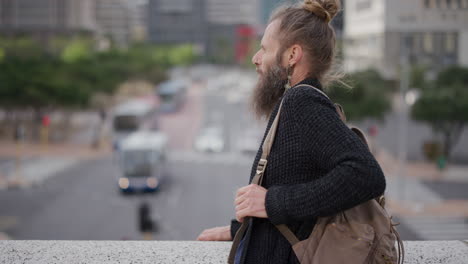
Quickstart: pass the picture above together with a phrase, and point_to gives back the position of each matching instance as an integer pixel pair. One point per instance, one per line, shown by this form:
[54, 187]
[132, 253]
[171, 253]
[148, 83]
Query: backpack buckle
[261, 166]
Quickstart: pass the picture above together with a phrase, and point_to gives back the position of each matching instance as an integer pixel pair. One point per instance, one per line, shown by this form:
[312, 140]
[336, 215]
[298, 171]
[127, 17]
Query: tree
[68, 74]
[444, 105]
[368, 96]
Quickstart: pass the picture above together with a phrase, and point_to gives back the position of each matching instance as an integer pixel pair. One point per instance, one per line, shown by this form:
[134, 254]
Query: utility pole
[403, 115]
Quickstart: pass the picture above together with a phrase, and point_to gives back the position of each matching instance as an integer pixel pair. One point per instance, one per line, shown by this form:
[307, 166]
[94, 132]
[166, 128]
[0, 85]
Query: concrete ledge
[39, 251]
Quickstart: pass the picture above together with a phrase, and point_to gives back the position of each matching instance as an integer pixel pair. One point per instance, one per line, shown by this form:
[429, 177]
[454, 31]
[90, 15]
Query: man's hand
[222, 233]
[250, 201]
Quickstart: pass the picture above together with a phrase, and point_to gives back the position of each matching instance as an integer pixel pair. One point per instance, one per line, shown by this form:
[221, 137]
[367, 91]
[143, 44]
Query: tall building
[337, 22]
[47, 17]
[228, 12]
[113, 17]
[232, 26]
[267, 6]
[138, 19]
[430, 32]
[177, 21]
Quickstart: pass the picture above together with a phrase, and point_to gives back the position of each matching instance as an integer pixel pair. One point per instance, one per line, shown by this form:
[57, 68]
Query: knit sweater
[317, 167]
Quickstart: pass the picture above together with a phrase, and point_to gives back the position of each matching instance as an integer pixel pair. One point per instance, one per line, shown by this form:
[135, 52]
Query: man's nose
[255, 59]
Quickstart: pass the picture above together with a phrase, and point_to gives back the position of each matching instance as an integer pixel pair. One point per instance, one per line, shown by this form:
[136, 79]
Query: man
[317, 166]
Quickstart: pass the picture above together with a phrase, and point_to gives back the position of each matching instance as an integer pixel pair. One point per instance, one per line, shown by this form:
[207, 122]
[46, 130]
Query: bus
[131, 116]
[142, 161]
[172, 95]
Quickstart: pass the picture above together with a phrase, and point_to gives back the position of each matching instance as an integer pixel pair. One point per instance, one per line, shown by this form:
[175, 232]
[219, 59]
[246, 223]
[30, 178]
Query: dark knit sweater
[317, 167]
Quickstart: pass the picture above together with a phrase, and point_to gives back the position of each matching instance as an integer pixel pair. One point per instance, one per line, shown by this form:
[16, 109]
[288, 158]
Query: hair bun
[324, 9]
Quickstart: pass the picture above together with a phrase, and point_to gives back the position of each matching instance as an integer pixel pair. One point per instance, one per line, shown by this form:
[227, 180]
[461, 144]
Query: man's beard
[268, 91]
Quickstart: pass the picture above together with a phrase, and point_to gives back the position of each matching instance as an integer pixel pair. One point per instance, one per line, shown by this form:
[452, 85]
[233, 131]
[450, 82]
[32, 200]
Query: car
[210, 139]
[250, 141]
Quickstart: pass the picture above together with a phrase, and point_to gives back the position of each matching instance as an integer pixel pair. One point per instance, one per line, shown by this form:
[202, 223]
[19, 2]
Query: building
[138, 19]
[267, 6]
[429, 32]
[114, 20]
[211, 25]
[228, 12]
[232, 27]
[177, 22]
[46, 17]
[338, 23]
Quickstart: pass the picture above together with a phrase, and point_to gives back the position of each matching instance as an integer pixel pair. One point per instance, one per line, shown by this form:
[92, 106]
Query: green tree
[2, 54]
[77, 50]
[443, 104]
[368, 96]
[68, 74]
[418, 76]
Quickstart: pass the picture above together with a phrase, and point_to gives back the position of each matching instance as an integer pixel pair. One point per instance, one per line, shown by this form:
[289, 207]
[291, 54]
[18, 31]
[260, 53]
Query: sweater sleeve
[353, 175]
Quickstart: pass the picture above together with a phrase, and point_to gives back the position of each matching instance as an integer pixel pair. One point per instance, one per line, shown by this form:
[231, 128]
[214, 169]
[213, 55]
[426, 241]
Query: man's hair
[308, 24]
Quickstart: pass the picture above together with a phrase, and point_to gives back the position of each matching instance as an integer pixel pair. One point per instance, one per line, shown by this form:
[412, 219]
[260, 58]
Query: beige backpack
[362, 234]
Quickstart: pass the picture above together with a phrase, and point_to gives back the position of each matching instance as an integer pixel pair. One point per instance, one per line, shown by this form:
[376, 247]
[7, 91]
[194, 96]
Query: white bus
[142, 161]
[132, 116]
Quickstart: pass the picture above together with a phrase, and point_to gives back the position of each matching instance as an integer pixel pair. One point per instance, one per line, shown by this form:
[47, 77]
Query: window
[450, 42]
[450, 4]
[175, 6]
[431, 3]
[428, 43]
[454, 4]
[427, 3]
[363, 5]
[464, 4]
[415, 43]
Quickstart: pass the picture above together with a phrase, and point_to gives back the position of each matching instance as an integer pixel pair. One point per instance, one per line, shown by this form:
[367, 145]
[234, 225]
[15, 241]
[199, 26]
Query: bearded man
[317, 166]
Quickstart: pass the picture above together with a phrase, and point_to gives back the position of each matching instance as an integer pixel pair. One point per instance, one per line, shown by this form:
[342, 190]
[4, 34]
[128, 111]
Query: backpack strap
[257, 179]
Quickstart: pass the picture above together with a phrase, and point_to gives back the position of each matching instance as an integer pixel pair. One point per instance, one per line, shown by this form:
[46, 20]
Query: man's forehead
[270, 32]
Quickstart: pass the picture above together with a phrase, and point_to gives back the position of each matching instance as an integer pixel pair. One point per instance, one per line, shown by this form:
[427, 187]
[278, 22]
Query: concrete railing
[40, 251]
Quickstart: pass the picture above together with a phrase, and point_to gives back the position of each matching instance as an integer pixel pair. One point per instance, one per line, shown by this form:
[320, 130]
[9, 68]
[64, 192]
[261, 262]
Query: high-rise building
[138, 19]
[228, 12]
[267, 6]
[177, 21]
[429, 32]
[47, 16]
[232, 27]
[113, 17]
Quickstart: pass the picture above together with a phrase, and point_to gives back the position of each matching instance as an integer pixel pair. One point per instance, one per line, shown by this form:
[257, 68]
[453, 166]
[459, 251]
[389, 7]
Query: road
[80, 201]
[83, 203]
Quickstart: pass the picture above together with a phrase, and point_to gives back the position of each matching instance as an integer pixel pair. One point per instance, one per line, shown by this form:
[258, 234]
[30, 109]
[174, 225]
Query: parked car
[210, 139]
[250, 141]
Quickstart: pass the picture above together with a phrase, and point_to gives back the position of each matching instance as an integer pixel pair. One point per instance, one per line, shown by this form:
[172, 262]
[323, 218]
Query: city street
[84, 203]
[78, 199]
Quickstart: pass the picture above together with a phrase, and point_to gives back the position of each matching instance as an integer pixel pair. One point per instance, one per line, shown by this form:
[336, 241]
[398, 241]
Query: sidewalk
[419, 199]
[409, 196]
[12, 150]
[28, 164]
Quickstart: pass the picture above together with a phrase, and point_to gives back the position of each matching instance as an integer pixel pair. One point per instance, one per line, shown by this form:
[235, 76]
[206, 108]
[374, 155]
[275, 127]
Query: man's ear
[294, 54]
